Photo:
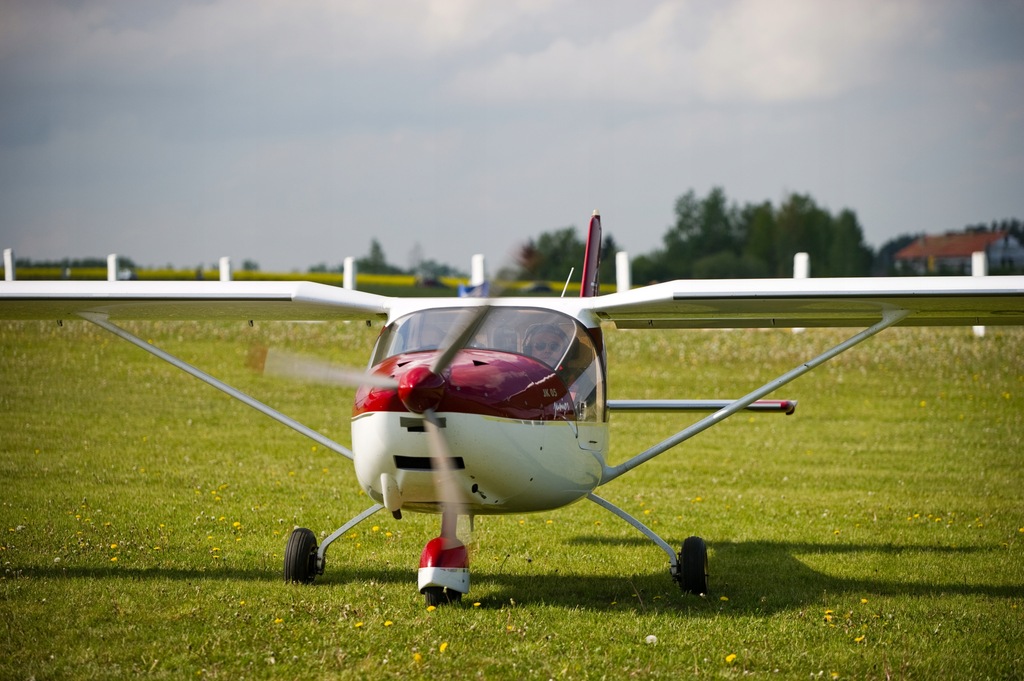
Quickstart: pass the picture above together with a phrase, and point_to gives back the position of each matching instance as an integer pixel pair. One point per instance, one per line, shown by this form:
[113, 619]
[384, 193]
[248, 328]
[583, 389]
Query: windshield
[553, 338]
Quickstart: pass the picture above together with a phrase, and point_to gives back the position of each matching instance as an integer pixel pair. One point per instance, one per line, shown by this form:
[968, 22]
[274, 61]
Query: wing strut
[673, 559]
[889, 317]
[101, 321]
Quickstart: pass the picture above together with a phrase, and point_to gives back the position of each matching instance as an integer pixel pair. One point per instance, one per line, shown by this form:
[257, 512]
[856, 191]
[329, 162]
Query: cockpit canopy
[556, 339]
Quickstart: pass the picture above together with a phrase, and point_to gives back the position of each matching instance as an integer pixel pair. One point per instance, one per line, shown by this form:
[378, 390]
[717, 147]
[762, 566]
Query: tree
[375, 262]
[552, 255]
[713, 238]
[761, 235]
[848, 256]
[704, 228]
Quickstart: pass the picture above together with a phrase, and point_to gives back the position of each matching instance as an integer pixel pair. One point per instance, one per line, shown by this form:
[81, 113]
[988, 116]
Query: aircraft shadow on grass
[757, 576]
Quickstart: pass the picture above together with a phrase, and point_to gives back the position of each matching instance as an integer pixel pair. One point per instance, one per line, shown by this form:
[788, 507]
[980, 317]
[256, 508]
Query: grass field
[877, 533]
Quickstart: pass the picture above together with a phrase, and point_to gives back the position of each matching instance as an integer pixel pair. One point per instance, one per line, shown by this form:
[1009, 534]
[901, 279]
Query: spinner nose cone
[420, 389]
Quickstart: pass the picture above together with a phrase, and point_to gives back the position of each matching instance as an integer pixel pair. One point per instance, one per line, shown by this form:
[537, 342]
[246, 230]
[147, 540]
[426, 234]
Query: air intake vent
[425, 463]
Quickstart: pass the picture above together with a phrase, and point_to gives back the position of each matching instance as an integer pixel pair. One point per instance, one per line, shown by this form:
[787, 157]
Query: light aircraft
[476, 407]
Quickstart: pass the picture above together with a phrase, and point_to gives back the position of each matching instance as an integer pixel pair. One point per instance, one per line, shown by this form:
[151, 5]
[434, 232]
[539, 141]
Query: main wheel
[693, 561]
[438, 595]
[300, 557]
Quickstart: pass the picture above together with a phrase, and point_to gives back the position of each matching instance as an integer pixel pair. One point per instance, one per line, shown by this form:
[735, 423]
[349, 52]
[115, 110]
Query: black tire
[693, 564]
[438, 595]
[300, 557]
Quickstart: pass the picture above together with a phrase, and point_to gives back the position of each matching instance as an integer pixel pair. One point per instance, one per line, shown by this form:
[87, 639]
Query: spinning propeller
[444, 563]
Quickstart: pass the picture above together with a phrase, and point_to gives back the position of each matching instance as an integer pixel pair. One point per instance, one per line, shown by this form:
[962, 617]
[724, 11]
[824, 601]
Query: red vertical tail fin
[592, 259]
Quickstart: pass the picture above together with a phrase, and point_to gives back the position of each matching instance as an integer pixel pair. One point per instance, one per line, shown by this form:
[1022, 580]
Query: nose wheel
[444, 566]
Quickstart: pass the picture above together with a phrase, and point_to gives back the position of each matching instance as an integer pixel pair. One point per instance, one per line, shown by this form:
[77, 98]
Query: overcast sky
[292, 133]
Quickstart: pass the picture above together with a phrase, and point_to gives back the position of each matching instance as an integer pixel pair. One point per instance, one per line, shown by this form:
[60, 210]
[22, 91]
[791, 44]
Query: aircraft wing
[854, 302]
[194, 300]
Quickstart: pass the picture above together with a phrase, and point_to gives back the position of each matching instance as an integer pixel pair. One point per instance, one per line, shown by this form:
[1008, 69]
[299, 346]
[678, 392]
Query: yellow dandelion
[388, 623]
[863, 600]
[416, 657]
[236, 524]
[443, 647]
[730, 658]
[477, 604]
[375, 528]
[431, 608]
[113, 546]
[358, 624]
[113, 559]
[278, 620]
[859, 639]
[723, 598]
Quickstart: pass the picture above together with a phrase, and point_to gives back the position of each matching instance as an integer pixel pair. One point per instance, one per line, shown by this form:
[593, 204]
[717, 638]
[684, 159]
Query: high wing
[191, 300]
[825, 302]
[713, 303]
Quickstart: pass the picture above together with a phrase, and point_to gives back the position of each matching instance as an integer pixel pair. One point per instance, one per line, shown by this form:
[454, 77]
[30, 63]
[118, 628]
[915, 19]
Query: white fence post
[979, 268]
[9, 264]
[225, 268]
[477, 270]
[112, 267]
[348, 279]
[801, 270]
[623, 272]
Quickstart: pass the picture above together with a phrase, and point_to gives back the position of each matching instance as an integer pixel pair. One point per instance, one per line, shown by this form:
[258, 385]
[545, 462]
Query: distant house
[951, 253]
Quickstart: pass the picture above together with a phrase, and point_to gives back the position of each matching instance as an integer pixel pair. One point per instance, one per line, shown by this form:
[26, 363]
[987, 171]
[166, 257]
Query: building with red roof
[951, 253]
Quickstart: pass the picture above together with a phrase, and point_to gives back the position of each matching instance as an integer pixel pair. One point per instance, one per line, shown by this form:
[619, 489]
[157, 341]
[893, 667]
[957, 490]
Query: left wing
[854, 302]
[198, 300]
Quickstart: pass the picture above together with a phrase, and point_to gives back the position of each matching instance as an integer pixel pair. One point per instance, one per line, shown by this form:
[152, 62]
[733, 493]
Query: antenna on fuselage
[567, 280]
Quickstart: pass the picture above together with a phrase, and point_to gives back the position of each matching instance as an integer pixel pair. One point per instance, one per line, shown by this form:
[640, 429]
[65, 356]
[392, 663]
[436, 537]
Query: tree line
[711, 238]
[715, 238]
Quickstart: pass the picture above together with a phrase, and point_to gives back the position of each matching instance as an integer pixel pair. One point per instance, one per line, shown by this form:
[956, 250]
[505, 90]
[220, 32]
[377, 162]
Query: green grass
[877, 533]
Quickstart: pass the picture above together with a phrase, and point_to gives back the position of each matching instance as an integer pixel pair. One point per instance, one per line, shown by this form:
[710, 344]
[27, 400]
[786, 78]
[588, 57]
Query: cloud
[806, 50]
[641, 62]
[170, 128]
[681, 52]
